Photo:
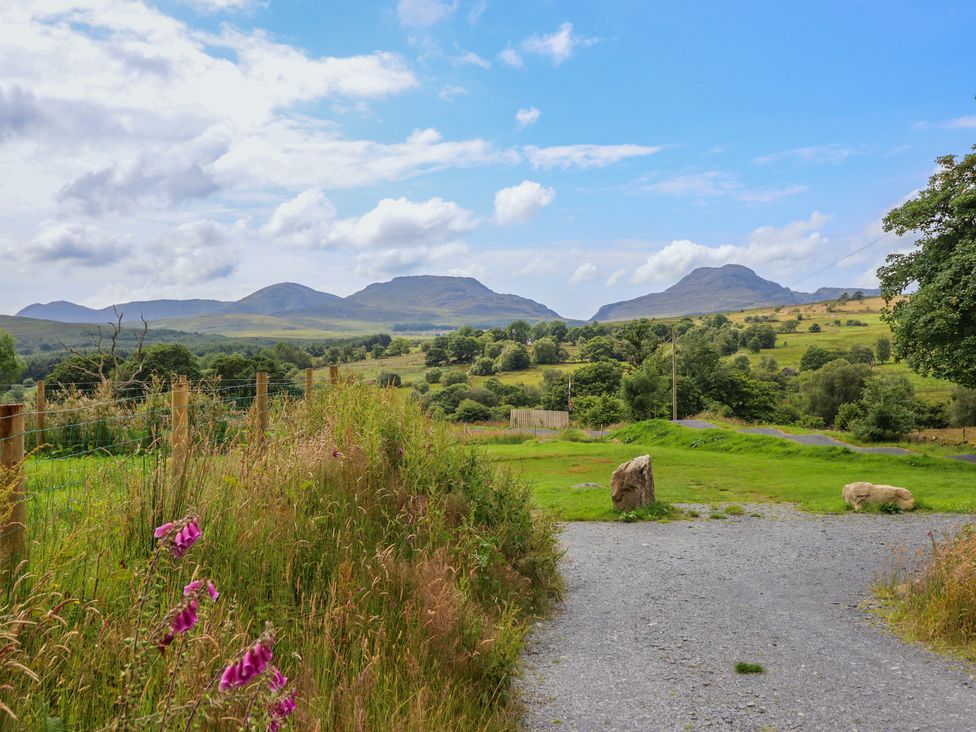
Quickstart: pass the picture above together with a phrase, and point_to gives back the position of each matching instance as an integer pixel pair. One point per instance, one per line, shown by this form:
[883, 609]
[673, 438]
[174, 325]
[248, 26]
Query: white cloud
[222, 6]
[586, 271]
[76, 244]
[520, 203]
[403, 224]
[526, 117]
[511, 57]
[537, 266]
[448, 92]
[424, 13]
[714, 183]
[306, 220]
[960, 123]
[403, 260]
[196, 253]
[558, 46]
[616, 276]
[773, 248]
[477, 10]
[470, 58]
[820, 154]
[583, 156]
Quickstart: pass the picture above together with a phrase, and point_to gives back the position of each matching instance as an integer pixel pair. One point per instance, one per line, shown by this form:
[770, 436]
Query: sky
[575, 153]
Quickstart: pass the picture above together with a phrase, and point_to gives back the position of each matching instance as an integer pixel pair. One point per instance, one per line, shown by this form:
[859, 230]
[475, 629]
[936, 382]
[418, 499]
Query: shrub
[861, 354]
[814, 328]
[882, 349]
[454, 377]
[599, 411]
[471, 411]
[888, 414]
[962, 408]
[826, 389]
[388, 379]
[514, 357]
[847, 414]
[483, 366]
[546, 351]
[433, 376]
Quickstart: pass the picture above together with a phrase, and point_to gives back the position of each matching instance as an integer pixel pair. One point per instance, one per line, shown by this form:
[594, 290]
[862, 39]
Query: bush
[471, 411]
[454, 377]
[546, 351]
[433, 376]
[847, 414]
[483, 366]
[514, 357]
[826, 389]
[888, 414]
[816, 357]
[882, 349]
[814, 328]
[421, 387]
[962, 408]
[388, 379]
[599, 411]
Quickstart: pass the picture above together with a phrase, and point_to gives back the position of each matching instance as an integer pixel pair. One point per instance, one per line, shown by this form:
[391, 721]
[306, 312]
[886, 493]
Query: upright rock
[859, 494]
[632, 484]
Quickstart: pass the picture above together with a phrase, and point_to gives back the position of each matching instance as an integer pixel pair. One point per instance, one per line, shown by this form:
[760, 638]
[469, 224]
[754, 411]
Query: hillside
[713, 290]
[292, 307]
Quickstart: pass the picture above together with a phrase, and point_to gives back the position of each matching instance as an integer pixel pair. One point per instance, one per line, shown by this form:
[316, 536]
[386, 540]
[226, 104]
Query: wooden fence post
[13, 528]
[180, 395]
[334, 374]
[308, 384]
[40, 414]
[261, 406]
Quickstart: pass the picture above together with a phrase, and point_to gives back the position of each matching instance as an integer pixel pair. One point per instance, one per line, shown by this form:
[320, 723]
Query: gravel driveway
[657, 615]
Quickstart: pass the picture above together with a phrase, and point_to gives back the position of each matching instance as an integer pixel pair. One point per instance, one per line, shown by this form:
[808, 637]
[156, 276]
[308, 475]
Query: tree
[962, 408]
[433, 376]
[888, 412]
[463, 348]
[519, 331]
[80, 370]
[599, 348]
[377, 352]
[599, 411]
[514, 357]
[861, 354]
[882, 349]
[398, 347]
[471, 411]
[436, 353]
[934, 329]
[647, 391]
[290, 353]
[816, 357]
[483, 366]
[545, 351]
[824, 390]
[637, 340]
[10, 367]
[164, 360]
[388, 379]
[453, 377]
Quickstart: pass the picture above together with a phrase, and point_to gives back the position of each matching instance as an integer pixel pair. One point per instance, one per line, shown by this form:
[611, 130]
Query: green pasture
[721, 466]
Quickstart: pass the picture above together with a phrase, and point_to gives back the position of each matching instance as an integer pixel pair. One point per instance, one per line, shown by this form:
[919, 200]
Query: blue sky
[576, 153]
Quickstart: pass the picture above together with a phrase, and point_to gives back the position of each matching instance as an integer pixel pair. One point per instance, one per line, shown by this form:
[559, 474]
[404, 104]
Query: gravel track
[657, 615]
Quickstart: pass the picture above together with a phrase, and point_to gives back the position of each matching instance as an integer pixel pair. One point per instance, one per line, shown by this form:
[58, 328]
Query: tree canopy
[935, 329]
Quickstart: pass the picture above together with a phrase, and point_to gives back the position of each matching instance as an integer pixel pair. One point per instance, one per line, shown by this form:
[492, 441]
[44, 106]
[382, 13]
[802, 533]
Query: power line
[835, 263]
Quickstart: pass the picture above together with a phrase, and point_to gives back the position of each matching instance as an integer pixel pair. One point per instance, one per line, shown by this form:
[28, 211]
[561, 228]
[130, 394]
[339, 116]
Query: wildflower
[280, 711]
[278, 680]
[253, 663]
[336, 454]
[180, 535]
[194, 587]
[183, 619]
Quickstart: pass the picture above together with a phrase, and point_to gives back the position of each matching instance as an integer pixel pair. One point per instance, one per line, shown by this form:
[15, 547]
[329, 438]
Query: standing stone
[632, 484]
[859, 494]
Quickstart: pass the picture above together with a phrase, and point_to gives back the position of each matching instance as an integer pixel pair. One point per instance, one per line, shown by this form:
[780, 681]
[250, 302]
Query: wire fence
[59, 451]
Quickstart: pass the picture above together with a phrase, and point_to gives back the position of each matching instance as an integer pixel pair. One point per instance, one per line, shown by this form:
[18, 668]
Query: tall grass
[936, 603]
[397, 567]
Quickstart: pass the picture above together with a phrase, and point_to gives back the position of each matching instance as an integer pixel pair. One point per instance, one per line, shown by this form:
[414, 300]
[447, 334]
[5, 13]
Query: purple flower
[278, 681]
[194, 587]
[212, 591]
[162, 531]
[280, 711]
[183, 618]
[254, 663]
[336, 454]
[185, 538]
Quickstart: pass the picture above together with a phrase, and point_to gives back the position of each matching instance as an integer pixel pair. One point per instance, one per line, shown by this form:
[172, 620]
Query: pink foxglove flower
[183, 618]
[196, 585]
[163, 530]
[212, 591]
[253, 664]
[280, 711]
[185, 538]
[278, 680]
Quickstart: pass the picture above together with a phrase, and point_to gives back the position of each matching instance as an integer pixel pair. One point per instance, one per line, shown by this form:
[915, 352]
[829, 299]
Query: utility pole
[674, 378]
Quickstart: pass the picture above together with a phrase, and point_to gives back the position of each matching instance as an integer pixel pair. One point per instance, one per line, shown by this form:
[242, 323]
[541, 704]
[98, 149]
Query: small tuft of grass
[656, 511]
[734, 509]
[718, 516]
[745, 667]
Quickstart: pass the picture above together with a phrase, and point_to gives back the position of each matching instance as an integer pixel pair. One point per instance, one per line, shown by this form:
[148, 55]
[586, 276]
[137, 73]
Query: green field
[720, 466]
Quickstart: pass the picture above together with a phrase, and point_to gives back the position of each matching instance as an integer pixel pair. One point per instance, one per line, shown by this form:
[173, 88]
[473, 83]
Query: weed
[718, 516]
[745, 667]
[656, 511]
[734, 509]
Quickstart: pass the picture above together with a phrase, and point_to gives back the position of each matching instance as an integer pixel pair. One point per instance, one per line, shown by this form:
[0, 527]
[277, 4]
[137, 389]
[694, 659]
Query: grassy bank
[719, 466]
[397, 568]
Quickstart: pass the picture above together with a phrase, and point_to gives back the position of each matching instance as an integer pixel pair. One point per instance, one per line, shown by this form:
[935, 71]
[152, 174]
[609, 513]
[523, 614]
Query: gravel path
[657, 615]
[822, 440]
[964, 458]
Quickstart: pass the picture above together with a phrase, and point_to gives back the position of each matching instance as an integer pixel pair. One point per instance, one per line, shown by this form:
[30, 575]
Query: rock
[862, 493]
[632, 484]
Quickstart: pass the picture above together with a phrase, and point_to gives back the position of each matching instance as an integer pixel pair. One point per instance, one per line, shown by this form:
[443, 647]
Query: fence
[42, 445]
[538, 419]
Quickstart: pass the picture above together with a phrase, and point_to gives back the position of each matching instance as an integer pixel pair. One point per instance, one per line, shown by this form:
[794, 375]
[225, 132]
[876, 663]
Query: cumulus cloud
[820, 154]
[558, 46]
[527, 117]
[405, 223]
[305, 221]
[403, 260]
[586, 271]
[768, 246]
[714, 183]
[517, 204]
[470, 58]
[511, 57]
[616, 276]
[583, 156]
[76, 244]
[196, 253]
[424, 13]
[221, 6]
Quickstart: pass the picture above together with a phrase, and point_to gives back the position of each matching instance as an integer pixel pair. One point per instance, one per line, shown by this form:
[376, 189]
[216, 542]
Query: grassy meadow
[721, 466]
[395, 567]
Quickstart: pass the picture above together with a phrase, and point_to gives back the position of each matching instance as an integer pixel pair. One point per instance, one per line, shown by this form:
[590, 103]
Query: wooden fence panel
[538, 419]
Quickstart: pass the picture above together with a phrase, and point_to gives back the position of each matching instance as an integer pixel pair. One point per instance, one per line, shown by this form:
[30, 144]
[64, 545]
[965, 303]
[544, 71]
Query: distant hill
[451, 300]
[715, 290]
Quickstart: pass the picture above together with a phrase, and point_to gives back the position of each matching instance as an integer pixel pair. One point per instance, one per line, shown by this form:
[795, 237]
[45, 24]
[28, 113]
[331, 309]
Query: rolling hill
[715, 290]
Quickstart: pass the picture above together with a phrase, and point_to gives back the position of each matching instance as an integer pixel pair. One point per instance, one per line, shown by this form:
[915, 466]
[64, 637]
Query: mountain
[290, 306]
[446, 298]
[714, 290]
[280, 298]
